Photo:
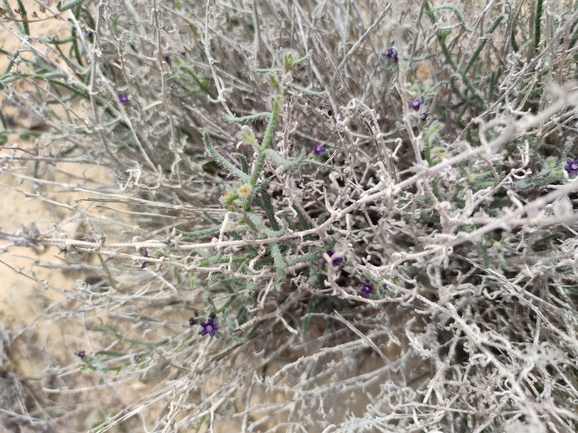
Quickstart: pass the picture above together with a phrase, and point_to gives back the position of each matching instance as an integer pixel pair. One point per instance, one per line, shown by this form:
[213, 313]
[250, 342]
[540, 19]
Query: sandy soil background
[22, 299]
[31, 283]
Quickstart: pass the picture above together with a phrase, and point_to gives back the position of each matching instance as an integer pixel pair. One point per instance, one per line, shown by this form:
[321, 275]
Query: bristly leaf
[268, 206]
[64, 7]
[258, 188]
[445, 50]
[11, 60]
[24, 17]
[310, 309]
[248, 136]
[222, 161]
[279, 262]
[262, 228]
[276, 102]
[267, 71]
[200, 232]
[246, 119]
[496, 22]
[273, 80]
[244, 163]
[286, 163]
[304, 58]
[231, 328]
[309, 257]
[307, 92]
[482, 42]
[456, 11]
[538, 23]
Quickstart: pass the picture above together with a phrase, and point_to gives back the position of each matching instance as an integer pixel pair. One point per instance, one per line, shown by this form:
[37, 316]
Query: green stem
[538, 23]
[276, 102]
[430, 13]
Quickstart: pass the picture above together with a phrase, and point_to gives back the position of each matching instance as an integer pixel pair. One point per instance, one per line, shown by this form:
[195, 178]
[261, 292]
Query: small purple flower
[415, 105]
[572, 166]
[424, 116]
[123, 98]
[167, 57]
[81, 354]
[366, 289]
[318, 149]
[212, 315]
[336, 261]
[193, 321]
[209, 328]
[391, 53]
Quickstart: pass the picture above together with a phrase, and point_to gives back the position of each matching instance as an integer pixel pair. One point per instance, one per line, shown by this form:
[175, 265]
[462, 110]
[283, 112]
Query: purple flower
[336, 261]
[212, 315]
[209, 328]
[391, 53]
[81, 354]
[366, 289]
[415, 105]
[424, 116]
[167, 57]
[318, 149]
[572, 166]
[123, 98]
[193, 321]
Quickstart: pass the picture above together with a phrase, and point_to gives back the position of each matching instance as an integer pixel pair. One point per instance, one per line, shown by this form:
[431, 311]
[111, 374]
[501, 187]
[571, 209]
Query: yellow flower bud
[245, 190]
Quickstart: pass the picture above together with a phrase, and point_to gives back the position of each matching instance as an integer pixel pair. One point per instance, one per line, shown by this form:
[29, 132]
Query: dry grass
[458, 214]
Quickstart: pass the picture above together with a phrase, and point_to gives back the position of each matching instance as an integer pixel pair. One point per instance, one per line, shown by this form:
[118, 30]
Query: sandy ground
[21, 298]
[30, 343]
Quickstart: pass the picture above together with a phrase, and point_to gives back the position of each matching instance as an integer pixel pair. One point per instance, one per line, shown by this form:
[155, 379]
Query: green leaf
[222, 161]
[304, 258]
[267, 71]
[200, 233]
[64, 7]
[252, 217]
[456, 11]
[244, 164]
[310, 309]
[276, 102]
[279, 262]
[279, 160]
[309, 92]
[248, 136]
[245, 119]
[304, 58]
[268, 206]
[24, 17]
[11, 63]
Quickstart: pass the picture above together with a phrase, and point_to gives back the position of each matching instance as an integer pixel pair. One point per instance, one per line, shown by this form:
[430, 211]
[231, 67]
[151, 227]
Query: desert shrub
[372, 203]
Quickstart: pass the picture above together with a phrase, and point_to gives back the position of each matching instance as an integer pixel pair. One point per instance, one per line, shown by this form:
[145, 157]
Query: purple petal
[123, 98]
